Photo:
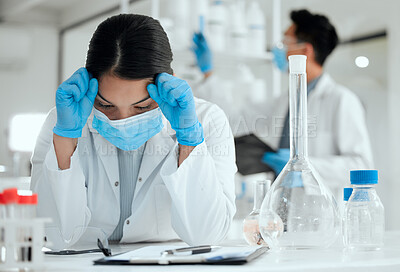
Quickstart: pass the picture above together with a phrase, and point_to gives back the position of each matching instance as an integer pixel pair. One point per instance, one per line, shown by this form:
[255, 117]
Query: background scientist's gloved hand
[175, 99]
[74, 102]
[280, 58]
[277, 160]
[202, 52]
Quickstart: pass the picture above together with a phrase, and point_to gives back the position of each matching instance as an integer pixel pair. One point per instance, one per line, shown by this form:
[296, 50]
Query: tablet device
[249, 152]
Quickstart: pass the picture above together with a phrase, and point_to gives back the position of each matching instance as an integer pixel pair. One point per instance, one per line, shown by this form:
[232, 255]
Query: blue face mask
[280, 58]
[129, 133]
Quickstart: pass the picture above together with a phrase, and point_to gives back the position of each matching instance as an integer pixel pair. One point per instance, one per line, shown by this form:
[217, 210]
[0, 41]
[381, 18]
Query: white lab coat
[338, 139]
[195, 202]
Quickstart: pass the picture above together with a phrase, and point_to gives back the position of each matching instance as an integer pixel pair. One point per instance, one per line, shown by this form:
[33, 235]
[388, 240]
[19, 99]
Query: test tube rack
[21, 243]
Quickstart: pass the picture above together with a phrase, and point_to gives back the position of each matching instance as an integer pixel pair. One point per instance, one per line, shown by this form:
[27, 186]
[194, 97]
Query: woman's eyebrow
[144, 99]
[98, 93]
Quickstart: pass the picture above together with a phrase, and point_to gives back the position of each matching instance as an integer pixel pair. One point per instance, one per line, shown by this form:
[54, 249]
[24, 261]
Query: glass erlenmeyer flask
[299, 211]
[251, 230]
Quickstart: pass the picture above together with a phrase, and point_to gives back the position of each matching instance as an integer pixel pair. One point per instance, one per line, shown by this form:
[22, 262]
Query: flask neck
[298, 116]
[260, 190]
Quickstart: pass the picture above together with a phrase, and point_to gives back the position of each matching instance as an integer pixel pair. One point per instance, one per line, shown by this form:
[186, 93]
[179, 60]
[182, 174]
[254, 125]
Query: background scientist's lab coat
[338, 139]
[195, 202]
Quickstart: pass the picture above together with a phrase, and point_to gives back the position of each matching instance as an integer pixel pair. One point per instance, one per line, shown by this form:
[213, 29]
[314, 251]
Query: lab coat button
[140, 179]
[127, 222]
[116, 184]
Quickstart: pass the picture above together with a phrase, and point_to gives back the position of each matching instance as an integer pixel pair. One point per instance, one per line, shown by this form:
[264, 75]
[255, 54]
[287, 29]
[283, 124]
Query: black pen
[72, 252]
[193, 250]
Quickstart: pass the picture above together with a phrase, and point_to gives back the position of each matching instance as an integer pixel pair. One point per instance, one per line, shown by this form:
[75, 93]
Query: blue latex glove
[175, 99]
[202, 52]
[277, 160]
[74, 102]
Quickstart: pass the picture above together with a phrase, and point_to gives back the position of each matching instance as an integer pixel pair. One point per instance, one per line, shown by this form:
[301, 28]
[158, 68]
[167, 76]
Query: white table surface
[334, 259]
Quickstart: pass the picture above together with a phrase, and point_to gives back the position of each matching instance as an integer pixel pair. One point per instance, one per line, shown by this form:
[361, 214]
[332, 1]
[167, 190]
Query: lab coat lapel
[157, 149]
[323, 87]
[281, 108]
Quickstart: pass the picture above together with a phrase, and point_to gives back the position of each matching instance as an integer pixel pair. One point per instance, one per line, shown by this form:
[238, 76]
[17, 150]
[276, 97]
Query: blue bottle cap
[347, 193]
[364, 177]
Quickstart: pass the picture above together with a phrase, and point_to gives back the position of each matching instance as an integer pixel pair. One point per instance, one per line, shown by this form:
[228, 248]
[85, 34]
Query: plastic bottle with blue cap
[364, 213]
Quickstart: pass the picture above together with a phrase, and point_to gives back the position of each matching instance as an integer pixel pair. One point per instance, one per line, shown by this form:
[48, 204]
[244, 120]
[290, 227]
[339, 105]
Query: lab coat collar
[324, 85]
[157, 148]
[281, 107]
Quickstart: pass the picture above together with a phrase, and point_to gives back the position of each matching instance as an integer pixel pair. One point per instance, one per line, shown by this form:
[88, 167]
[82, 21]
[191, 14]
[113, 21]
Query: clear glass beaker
[251, 230]
[299, 211]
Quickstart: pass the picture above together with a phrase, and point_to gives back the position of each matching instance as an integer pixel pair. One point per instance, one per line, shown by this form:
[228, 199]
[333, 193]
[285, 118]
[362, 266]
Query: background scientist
[145, 163]
[338, 137]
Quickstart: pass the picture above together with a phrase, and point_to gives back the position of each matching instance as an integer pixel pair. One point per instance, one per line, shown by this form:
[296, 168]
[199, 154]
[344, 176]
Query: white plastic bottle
[365, 215]
[256, 30]
[217, 25]
[238, 29]
[180, 10]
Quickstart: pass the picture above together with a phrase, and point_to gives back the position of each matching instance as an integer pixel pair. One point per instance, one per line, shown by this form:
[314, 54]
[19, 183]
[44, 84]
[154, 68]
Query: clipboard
[151, 255]
[249, 152]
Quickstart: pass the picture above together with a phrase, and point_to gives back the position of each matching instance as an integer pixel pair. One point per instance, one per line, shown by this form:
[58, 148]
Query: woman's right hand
[74, 103]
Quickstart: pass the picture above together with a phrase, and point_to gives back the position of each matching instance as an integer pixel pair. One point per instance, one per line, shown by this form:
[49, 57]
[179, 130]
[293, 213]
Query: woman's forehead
[116, 90]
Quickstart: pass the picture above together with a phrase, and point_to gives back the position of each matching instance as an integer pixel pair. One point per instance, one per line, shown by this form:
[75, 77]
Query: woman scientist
[129, 150]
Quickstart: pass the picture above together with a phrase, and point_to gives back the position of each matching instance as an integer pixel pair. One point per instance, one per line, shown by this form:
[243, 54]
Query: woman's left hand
[175, 99]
